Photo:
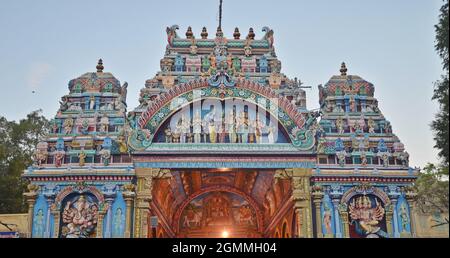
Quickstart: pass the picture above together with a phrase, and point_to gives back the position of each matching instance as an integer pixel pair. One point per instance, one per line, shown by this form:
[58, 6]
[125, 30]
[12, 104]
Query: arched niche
[210, 212]
[296, 123]
[79, 215]
[260, 125]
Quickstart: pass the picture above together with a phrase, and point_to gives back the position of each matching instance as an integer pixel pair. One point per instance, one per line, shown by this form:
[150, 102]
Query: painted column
[410, 197]
[317, 199]
[345, 223]
[108, 220]
[30, 198]
[388, 210]
[128, 195]
[47, 233]
[395, 218]
[302, 198]
[337, 222]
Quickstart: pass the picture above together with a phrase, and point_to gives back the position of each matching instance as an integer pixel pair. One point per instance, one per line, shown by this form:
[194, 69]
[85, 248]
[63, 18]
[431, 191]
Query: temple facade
[221, 145]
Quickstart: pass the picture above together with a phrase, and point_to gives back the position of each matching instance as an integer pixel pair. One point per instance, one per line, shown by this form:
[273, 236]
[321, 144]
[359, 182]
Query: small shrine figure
[404, 217]
[271, 136]
[168, 135]
[92, 102]
[242, 128]
[106, 156]
[363, 159]
[361, 123]
[371, 125]
[229, 61]
[327, 219]
[222, 133]
[340, 125]
[251, 131]
[210, 122]
[85, 126]
[104, 123]
[352, 104]
[123, 148]
[385, 159]
[82, 157]
[59, 156]
[212, 60]
[68, 125]
[197, 127]
[230, 124]
[259, 126]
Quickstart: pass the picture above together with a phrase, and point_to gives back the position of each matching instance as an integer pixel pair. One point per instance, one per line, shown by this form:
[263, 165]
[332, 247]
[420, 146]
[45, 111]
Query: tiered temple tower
[221, 144]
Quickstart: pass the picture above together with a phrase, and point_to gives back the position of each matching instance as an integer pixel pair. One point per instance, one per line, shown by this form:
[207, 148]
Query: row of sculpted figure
[230, 129]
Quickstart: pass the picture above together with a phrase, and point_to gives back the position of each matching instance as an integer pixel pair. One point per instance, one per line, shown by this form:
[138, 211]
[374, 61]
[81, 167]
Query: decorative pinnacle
[343, 69]
[219, 32]
[204, 33]
[251, 34]
[236, 34]
[189, 33]
[100, 66]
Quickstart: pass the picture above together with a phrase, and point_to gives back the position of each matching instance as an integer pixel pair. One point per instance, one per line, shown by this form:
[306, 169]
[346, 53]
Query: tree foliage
[440, 124]
[432, 190]
[17, 143]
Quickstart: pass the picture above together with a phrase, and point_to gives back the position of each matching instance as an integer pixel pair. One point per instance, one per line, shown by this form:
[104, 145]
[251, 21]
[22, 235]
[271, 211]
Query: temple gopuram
[221, 145]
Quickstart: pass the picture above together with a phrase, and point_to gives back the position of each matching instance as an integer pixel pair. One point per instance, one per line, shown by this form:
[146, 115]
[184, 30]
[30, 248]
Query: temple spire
[220, 14]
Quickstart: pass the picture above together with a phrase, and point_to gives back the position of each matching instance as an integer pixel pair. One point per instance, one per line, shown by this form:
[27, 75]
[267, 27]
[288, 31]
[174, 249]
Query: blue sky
[44, 44]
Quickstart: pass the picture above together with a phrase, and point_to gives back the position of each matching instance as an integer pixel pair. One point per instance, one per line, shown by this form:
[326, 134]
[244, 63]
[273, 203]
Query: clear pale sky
[44, 44]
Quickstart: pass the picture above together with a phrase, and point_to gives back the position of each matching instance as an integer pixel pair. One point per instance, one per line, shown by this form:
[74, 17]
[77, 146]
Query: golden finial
[204, 33]
[189, 33]
[100, 66]
[236, 34]
[251, 34]
[343, 69]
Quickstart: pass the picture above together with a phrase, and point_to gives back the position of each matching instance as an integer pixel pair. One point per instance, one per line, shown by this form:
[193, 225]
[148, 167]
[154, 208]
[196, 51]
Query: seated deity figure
[230, 124]
[68, 125]
[197, 127]
[259, 126]
[104, 123]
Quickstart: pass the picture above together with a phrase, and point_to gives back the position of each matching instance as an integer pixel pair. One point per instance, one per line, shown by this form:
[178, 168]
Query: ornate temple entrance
[223, 202]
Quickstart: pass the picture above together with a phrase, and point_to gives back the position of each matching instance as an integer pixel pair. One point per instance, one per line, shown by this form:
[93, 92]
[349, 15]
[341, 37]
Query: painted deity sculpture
[365, 216]
[197, 127]
[68, 125]
[230, 124]
[79, 218]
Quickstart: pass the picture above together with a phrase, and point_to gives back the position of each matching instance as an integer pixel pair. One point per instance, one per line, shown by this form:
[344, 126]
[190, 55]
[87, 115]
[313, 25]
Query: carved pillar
[145, 180]
[50, 200]
[395, 218]
[337, 221]
[411, 198]
[56, 217]
[388, 210]
[345, 223]
[302, 200]
[30, 198]
[128, 196]
[317, 195]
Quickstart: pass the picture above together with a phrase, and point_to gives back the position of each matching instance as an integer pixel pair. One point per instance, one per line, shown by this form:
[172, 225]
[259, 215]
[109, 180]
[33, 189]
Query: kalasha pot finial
[100, 66]
[343, 69]
[204, 33]
[251, 34]
[236, 34]
[189, 33]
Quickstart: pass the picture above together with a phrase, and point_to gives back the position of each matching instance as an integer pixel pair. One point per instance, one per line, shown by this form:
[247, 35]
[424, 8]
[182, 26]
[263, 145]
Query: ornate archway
[296, 124]
[214, 189]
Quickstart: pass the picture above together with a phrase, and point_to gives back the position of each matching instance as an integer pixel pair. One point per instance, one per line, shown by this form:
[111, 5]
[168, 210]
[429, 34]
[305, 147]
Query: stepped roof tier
[89, 129]
[354, 129]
